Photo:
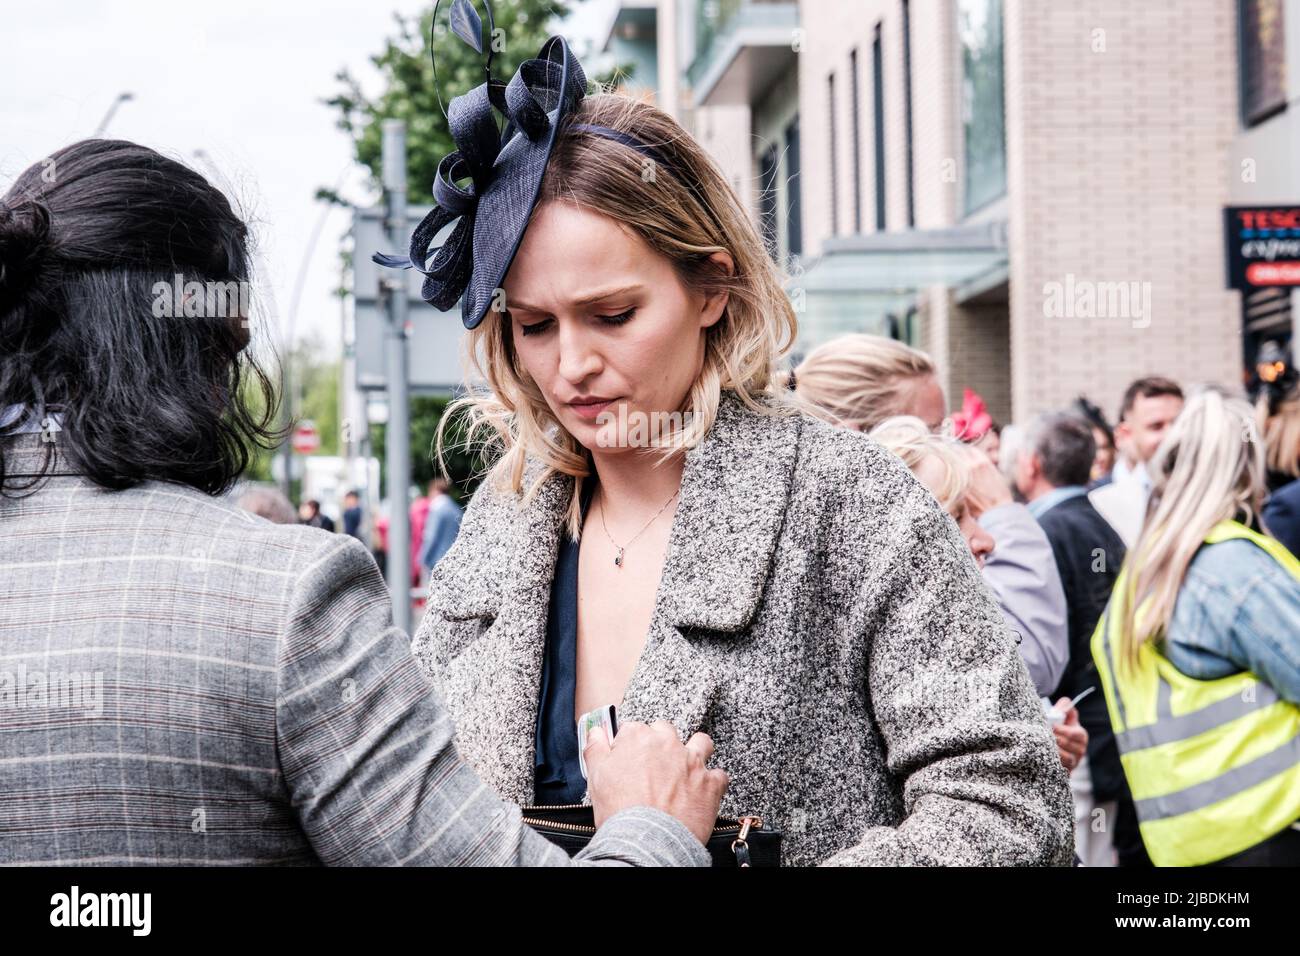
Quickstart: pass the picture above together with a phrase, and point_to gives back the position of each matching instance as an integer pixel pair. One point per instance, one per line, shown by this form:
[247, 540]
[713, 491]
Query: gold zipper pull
[740, 846]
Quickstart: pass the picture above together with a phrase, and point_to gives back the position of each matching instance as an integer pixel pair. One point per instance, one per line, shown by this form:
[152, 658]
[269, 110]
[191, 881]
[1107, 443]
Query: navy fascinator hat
[504, 170]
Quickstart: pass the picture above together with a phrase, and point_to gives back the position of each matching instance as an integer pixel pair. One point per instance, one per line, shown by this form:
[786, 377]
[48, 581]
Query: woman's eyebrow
[584, 300]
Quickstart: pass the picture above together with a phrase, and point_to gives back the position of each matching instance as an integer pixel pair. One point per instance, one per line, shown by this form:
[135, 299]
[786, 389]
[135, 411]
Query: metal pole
[108, 117]
[398, 441]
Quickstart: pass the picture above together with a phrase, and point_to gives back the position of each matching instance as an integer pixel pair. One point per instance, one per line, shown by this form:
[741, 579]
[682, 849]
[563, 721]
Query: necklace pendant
[618, 561]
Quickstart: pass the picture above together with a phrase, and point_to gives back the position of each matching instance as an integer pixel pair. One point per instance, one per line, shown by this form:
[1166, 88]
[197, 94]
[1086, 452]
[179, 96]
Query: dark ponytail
[24, 236]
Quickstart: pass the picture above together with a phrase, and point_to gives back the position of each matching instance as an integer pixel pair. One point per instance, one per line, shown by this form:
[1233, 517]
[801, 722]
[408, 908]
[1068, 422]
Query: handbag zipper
[746, 823]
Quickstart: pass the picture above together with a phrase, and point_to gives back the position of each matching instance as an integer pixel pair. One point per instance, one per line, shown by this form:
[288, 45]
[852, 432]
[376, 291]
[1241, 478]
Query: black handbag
[743, 842]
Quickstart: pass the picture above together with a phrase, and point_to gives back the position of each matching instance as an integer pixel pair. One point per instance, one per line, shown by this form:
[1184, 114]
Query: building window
[835, 192]
[878, 111]
[794, 201]
[769, 165]
[907, 109]
[856, 132]
[1262, 59]
[979, 25]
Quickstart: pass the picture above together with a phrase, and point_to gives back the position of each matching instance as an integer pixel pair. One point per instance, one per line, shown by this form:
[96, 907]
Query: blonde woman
[857, 381]
[664, 533]
[1199, 653]
[951, 470]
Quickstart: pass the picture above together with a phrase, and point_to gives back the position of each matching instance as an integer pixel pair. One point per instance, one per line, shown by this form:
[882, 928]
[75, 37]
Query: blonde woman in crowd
[950, 470]
[709, 576]
[857, 381]
[1199, 653]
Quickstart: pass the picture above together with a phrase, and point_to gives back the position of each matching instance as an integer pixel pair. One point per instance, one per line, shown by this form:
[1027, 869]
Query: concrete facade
[1123, 144]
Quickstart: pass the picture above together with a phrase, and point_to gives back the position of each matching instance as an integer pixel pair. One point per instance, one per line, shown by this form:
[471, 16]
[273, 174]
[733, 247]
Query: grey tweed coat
[819, 616]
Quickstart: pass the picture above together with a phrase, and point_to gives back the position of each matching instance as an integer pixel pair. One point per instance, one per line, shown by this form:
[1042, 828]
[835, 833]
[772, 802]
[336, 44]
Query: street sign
[435, 337]
[306, 439]
[1263, 246]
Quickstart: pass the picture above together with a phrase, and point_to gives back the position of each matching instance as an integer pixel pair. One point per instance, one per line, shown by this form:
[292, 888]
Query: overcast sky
[240, 81]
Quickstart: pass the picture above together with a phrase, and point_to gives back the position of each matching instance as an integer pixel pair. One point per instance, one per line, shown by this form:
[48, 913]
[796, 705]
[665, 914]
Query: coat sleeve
[368, 754]
[1021, 573]
[964, 733]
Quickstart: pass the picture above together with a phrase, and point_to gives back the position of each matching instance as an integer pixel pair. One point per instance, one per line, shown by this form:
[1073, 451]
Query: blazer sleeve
[964, 734]
[368, 755]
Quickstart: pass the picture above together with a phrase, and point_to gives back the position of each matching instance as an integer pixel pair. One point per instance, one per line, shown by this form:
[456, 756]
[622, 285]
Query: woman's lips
[590, 410]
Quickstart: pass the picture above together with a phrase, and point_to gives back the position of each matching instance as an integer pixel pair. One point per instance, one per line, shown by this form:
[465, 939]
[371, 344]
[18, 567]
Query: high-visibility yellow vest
[1213, 765]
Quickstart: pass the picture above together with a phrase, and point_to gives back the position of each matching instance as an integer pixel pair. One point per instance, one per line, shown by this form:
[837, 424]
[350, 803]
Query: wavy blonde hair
[911, 440]
[1281, 431]
[686, 220]
[1209, 468]
[858, 381]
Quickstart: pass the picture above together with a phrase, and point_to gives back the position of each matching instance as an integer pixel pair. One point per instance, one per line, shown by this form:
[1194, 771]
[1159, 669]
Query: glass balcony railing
[715, 20]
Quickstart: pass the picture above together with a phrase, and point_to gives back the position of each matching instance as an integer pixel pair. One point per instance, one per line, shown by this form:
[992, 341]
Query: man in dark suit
[1052, 473]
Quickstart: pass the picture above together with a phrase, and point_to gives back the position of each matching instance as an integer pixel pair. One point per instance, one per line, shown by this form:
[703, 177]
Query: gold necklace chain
[618, 560]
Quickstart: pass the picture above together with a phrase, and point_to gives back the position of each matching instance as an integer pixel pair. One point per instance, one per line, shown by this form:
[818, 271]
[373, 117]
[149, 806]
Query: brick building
[1032, 191]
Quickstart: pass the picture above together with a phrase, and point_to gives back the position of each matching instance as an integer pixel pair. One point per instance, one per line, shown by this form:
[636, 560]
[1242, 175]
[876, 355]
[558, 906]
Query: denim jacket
[1238, 609]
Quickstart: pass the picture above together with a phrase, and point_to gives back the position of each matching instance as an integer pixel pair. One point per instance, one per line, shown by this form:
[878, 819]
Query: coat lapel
[495, 688]
[735, 491]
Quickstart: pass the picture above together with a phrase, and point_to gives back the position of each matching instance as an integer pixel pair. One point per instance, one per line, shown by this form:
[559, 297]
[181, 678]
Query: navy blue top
[557, 773]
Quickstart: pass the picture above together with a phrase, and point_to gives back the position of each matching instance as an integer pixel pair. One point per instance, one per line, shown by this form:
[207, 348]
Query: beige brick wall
[935, 118]
[830, 31]
[724, 132]
[969, 347]
[1116, 170]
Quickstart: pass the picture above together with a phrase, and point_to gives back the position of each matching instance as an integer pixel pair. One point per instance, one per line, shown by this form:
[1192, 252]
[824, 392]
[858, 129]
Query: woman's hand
[1071, 738]
[647, 766]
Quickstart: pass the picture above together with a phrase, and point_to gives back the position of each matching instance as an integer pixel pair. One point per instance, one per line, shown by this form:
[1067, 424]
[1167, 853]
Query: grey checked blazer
[819, 615]
[184, 683]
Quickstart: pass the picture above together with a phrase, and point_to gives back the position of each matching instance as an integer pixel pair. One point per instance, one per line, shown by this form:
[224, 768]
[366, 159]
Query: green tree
[408, 87]
[464, 468]
[316, 382]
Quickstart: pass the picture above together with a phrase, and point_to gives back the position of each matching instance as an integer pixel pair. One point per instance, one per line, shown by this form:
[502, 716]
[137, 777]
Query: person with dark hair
[1103, 462]
[309, 513]
[352, 515]
[1277, 420]
[1149, 408]
[89, 338]
[1052, 473]
[265, 654]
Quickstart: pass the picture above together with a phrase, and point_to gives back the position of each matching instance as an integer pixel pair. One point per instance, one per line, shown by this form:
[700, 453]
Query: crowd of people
[434, 522]
[814, 611]
[1183, 505]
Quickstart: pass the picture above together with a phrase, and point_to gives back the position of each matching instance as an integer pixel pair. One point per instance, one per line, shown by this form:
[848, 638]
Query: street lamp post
[397, 446]
[108, 117]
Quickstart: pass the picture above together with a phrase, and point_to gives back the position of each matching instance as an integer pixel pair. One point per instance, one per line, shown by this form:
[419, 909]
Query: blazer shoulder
[1076, 517]
[215, 527]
